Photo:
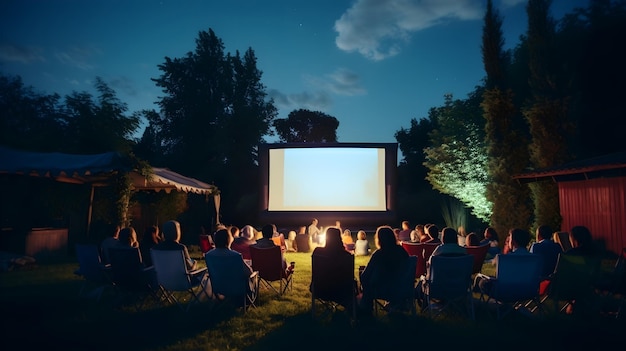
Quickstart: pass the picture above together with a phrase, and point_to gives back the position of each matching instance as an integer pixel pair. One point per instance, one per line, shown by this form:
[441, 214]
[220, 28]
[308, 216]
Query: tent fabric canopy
[56, 163]
[167, 180]
[95, 169]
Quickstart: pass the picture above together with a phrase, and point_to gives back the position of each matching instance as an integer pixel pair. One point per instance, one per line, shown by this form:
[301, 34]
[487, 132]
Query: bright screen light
[327, 179]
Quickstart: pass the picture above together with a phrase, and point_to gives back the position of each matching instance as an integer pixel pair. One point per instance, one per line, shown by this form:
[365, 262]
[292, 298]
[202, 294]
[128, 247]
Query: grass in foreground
[40, 309]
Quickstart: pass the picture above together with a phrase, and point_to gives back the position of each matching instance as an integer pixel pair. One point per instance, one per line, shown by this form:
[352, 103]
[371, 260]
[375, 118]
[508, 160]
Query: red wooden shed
[592, 192]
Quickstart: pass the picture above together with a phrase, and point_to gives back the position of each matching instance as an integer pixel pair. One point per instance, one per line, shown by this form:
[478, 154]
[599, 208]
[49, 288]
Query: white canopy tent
[98, 170]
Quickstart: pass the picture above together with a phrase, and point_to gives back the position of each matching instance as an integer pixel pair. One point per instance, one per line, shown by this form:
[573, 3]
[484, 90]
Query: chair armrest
[147, 269]
[483, 276]
[197, 272]
[254, 274]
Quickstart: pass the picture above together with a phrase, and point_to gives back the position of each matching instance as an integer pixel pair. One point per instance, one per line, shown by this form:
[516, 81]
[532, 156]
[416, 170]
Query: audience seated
[518, 240]
[110, 241]
[418, 233]
[128, 238]
[362, 245]
[348, 242]
[472, 240]
[461, 235]
[432, 234]
[405, 232]
[582, 245]
[334, 248]
[171, 241]
[449, 247]
[507, 245]
[291, 241]
[396, 232]
[148, 241]
[303, 241]
[223, 240]
[234, 231]
[386, 263]
[268, 232]
[581, 241]
[547, 248]
[314, 231]
[242, 243]
[450, 244]
[490, 236]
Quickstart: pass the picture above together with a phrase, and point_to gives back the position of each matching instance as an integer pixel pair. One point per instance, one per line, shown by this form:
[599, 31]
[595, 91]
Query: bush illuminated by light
[460, 170]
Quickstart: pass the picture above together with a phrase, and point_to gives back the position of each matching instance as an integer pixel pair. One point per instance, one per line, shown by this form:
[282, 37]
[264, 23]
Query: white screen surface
[327, 179]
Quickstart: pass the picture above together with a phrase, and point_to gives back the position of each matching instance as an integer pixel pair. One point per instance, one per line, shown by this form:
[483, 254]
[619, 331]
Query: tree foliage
[546, 112]
[456, 159]
[505, 144]
[98, 126]
[304, 126]
[78, 124]
[416, 197]
[214, 114]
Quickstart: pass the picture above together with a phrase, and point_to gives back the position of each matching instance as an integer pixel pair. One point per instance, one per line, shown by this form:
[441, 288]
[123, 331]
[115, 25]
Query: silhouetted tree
[79, 124]
[29, 120]
[149, 146]
[590, 43]
[415, 196]
[98, 126]
[214, 113]
[546, 112]
[506, 147]
[304, 126]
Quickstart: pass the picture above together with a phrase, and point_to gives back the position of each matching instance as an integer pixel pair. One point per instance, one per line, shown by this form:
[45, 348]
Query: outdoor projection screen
[335, 177]
[327, 179]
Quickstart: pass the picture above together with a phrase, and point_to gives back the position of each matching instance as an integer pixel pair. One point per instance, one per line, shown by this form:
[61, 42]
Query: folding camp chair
[448, 285]
[417, 250]
[562, 238]
[228, 283]
[479, 253]
[134, 282]
[205, 243]
[332, 284]
[429, 248]
[269, 263]
[573, 281]
[173, 277]
[91, 269]
[517, 281]
[303, 243]
[401, 292]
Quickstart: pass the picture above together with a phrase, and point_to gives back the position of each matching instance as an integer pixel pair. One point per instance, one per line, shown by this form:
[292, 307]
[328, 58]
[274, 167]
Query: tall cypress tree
[546, 113]
[506, 146]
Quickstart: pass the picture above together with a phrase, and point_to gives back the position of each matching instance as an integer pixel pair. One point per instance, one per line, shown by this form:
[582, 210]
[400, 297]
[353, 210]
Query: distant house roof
[611, 165]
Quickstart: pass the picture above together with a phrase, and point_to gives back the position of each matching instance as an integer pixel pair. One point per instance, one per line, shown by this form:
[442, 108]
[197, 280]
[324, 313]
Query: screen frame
[388, 215]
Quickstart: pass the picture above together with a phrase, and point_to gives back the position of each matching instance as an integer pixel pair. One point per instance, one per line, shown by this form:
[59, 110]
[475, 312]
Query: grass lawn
[40, 309]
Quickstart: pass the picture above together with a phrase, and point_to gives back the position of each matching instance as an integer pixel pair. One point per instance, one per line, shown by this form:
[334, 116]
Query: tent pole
[90, 211]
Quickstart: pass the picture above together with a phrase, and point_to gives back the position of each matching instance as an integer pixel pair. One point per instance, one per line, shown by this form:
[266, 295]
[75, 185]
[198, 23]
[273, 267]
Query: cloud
[377, 29]
[315, 101]
[78, 57]
[17, 53]
[341, 82]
